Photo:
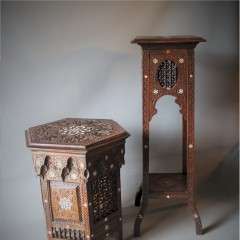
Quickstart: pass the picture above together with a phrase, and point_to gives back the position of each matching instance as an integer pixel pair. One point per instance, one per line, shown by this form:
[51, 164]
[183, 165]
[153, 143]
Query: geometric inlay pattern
[76, 132]
[65, 201]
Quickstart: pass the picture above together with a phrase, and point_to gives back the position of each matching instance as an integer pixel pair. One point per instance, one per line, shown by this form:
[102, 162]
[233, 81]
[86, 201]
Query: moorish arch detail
[178, 100]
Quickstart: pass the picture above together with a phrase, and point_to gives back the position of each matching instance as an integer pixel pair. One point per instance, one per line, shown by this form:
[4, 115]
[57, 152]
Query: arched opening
[166, 137]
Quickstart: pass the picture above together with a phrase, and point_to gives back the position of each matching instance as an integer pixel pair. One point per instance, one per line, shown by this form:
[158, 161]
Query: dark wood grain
[166, 53]
[81, 191]
[168, 39]
[167, 183]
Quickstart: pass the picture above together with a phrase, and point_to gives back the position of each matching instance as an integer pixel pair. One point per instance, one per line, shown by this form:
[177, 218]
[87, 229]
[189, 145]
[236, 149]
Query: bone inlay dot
[190, 145]
[181, 60]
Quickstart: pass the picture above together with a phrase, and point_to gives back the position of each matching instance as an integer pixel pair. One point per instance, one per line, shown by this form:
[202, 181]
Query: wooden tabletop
[74, 133]
[183, 39]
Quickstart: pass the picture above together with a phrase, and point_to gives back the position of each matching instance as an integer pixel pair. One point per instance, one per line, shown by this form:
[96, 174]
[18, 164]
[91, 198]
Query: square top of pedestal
[178, 39]
[75, 133]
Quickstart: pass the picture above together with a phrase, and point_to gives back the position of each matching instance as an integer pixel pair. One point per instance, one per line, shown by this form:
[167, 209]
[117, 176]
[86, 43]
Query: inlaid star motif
[181, 60]
[155, 60]
[65, 203]
[180, 91]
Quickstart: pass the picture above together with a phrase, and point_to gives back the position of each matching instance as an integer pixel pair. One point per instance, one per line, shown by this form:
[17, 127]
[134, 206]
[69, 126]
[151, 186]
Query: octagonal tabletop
[75, 133]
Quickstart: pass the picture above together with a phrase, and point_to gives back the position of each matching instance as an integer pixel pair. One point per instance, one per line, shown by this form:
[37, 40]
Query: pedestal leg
[120, 233]
[144, 191]
[196, 216]
[138, 197]
[140, 216]
[184, 143]
[145, 150]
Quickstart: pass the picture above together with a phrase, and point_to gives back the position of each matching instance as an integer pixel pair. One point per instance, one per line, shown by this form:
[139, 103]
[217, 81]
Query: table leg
[196, 216]
[138, 197]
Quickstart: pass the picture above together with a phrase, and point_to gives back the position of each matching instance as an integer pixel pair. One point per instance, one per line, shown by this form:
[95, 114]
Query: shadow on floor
[223, 185]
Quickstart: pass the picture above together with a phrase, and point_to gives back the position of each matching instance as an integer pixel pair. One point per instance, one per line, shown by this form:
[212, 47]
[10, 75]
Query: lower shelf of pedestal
[168, 184]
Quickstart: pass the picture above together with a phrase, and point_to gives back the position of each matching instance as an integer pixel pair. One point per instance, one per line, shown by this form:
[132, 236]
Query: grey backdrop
[74, 59]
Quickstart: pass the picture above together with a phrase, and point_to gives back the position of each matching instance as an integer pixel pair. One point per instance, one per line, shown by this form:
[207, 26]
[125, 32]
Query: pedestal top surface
[178, 39]
[74, 133]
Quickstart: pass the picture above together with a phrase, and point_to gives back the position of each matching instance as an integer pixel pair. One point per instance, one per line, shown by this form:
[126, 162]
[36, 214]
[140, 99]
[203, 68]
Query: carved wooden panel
[59, 166]
[65, 202]
[168, 71]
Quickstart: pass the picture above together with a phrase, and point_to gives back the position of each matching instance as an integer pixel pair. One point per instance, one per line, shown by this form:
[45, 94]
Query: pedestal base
[165, 185]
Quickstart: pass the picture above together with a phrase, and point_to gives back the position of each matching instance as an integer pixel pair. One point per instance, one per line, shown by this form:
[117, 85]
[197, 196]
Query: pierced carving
[167, 74]
[61, 233]
[104, 182]
[104, 190]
